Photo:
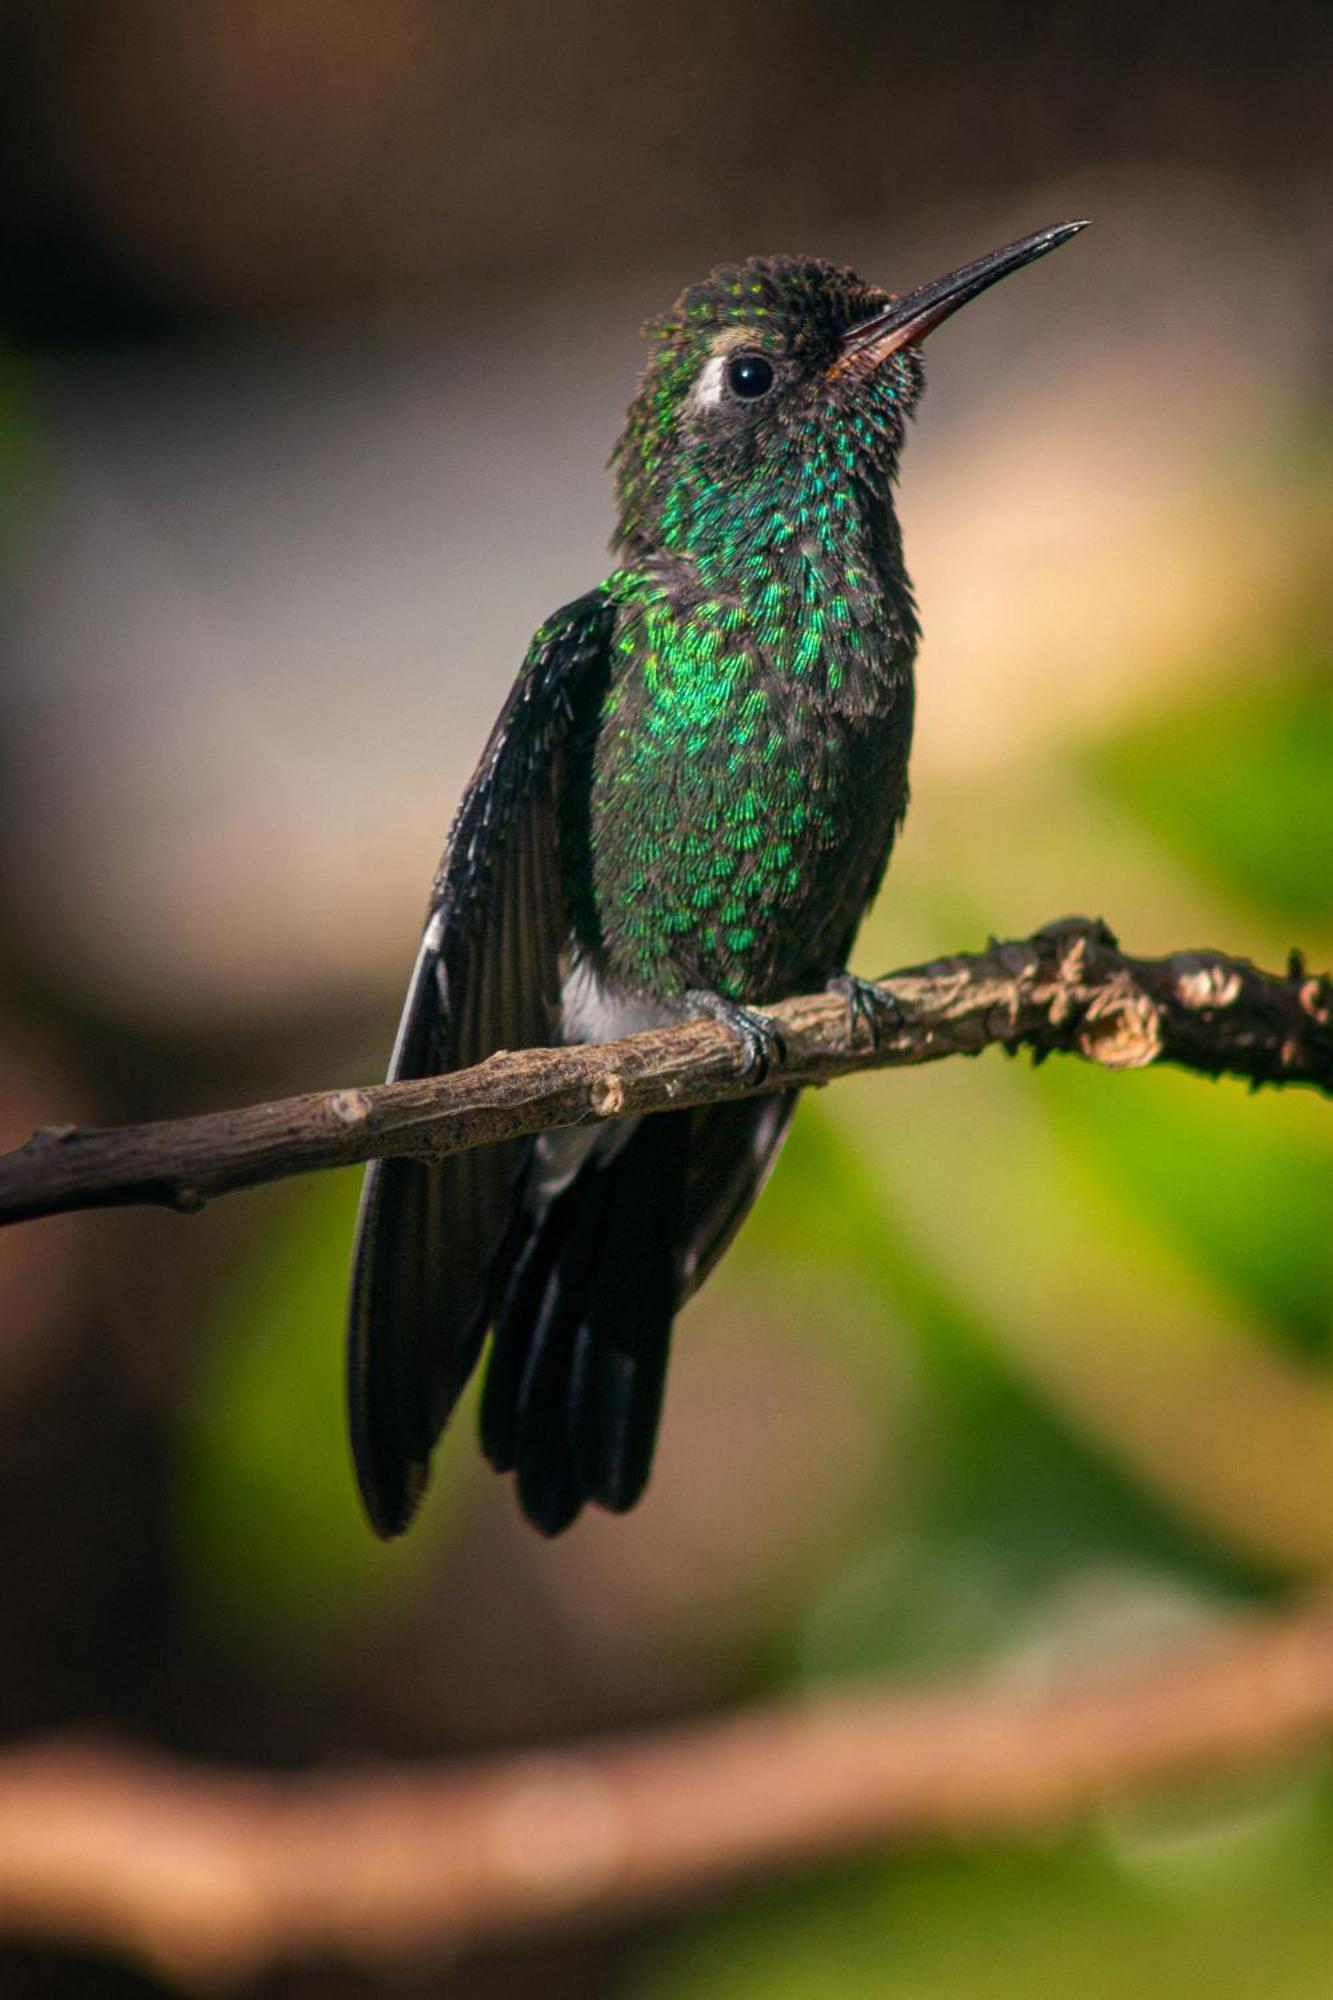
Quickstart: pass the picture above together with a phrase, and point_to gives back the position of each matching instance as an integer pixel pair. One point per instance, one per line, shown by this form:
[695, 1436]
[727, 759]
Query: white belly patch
[590, 1013]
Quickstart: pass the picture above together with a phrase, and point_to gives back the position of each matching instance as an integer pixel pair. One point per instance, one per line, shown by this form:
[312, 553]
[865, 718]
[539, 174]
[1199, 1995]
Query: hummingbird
[685, 808]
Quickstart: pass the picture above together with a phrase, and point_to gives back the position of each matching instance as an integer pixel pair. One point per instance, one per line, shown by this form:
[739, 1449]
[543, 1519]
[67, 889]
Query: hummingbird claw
[762, 1041]
[869, 1004]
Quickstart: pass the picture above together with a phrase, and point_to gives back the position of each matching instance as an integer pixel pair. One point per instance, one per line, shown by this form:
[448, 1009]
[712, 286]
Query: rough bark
[1069, 989]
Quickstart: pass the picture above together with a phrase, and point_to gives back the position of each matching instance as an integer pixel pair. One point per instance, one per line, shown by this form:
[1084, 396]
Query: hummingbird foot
[760, 1038]
[869, 1004]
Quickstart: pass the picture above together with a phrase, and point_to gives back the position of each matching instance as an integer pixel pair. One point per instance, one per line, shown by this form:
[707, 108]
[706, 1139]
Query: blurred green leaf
[1005, 1501]
[1245, 1182]
[1239, 783]
[1028, 1923]
[272, 1537]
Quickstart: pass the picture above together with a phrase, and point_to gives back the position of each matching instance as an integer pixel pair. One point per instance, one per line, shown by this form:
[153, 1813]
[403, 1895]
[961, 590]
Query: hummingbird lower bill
[686, 807]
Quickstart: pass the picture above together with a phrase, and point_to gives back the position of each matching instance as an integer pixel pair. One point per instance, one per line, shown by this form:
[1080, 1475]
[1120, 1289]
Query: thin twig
[210, 1876]
[1068, 989]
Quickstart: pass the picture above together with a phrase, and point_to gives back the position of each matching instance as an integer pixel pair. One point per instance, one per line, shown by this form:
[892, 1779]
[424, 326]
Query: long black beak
[918, 313]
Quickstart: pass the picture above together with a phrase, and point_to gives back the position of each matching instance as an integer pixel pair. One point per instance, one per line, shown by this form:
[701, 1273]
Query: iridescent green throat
[773, 629]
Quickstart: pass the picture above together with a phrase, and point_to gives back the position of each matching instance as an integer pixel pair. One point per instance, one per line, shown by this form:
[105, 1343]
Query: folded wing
[487, 977]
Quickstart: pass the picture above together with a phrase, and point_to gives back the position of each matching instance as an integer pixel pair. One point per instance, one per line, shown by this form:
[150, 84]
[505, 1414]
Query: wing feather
[487, 977]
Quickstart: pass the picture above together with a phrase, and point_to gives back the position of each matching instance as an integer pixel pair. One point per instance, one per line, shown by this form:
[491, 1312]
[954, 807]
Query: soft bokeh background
[318, 322]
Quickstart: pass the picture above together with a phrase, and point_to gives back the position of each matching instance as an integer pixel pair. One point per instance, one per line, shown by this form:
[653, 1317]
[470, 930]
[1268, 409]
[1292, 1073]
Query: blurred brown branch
[211, 1876]
[1067, 989]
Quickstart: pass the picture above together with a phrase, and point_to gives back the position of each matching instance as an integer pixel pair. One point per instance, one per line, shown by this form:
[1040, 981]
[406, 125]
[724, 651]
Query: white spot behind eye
[707, 391]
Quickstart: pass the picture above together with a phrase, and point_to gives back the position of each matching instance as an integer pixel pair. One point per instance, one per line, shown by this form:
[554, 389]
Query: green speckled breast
[747, 778]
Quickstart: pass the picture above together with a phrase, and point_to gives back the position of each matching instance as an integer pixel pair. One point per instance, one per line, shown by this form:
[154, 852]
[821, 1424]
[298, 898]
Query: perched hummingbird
[685, 808]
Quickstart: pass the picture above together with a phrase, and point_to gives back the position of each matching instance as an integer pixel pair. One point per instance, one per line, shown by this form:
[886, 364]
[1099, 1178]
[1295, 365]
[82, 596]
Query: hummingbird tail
[574, 1385]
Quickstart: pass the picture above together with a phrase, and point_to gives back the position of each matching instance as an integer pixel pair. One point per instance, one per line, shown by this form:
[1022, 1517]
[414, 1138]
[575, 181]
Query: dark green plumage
[688, 802]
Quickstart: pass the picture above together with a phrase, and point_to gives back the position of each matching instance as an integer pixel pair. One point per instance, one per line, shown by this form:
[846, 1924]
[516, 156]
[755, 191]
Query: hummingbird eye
[749, 376]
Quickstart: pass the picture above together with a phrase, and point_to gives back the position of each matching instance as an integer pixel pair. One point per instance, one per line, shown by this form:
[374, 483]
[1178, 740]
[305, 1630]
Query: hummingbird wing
[487, 977]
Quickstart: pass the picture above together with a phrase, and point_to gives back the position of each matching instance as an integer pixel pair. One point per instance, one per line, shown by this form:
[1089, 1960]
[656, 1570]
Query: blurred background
[317, 321]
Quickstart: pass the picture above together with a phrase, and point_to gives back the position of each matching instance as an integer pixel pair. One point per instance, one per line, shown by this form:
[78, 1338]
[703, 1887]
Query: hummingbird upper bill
[909, 319]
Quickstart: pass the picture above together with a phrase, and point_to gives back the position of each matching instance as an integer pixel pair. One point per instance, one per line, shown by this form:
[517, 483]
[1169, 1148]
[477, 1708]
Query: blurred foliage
[1238, 784]
[1257, 1215]
[267, 1408]
[1007, 1503]
[1236, 1917]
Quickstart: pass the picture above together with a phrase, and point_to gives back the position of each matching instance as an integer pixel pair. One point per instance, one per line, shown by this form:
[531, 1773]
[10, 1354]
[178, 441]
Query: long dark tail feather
[620, 1357]
[542, 1290]
[425, 1238]
[574, 1385]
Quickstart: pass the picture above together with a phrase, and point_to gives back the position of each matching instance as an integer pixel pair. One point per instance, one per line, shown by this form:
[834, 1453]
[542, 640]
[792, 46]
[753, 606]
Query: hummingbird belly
[592, 1012]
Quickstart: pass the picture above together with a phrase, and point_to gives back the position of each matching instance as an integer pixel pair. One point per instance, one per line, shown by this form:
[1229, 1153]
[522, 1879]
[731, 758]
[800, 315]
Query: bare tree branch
[210, 1876]
[1068, 989]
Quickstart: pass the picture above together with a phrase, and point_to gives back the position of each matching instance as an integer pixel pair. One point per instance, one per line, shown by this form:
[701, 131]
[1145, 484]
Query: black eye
[749, 376]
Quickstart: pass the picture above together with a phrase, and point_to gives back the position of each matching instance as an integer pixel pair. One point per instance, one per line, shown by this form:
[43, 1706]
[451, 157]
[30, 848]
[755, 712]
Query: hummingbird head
[776, 383]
